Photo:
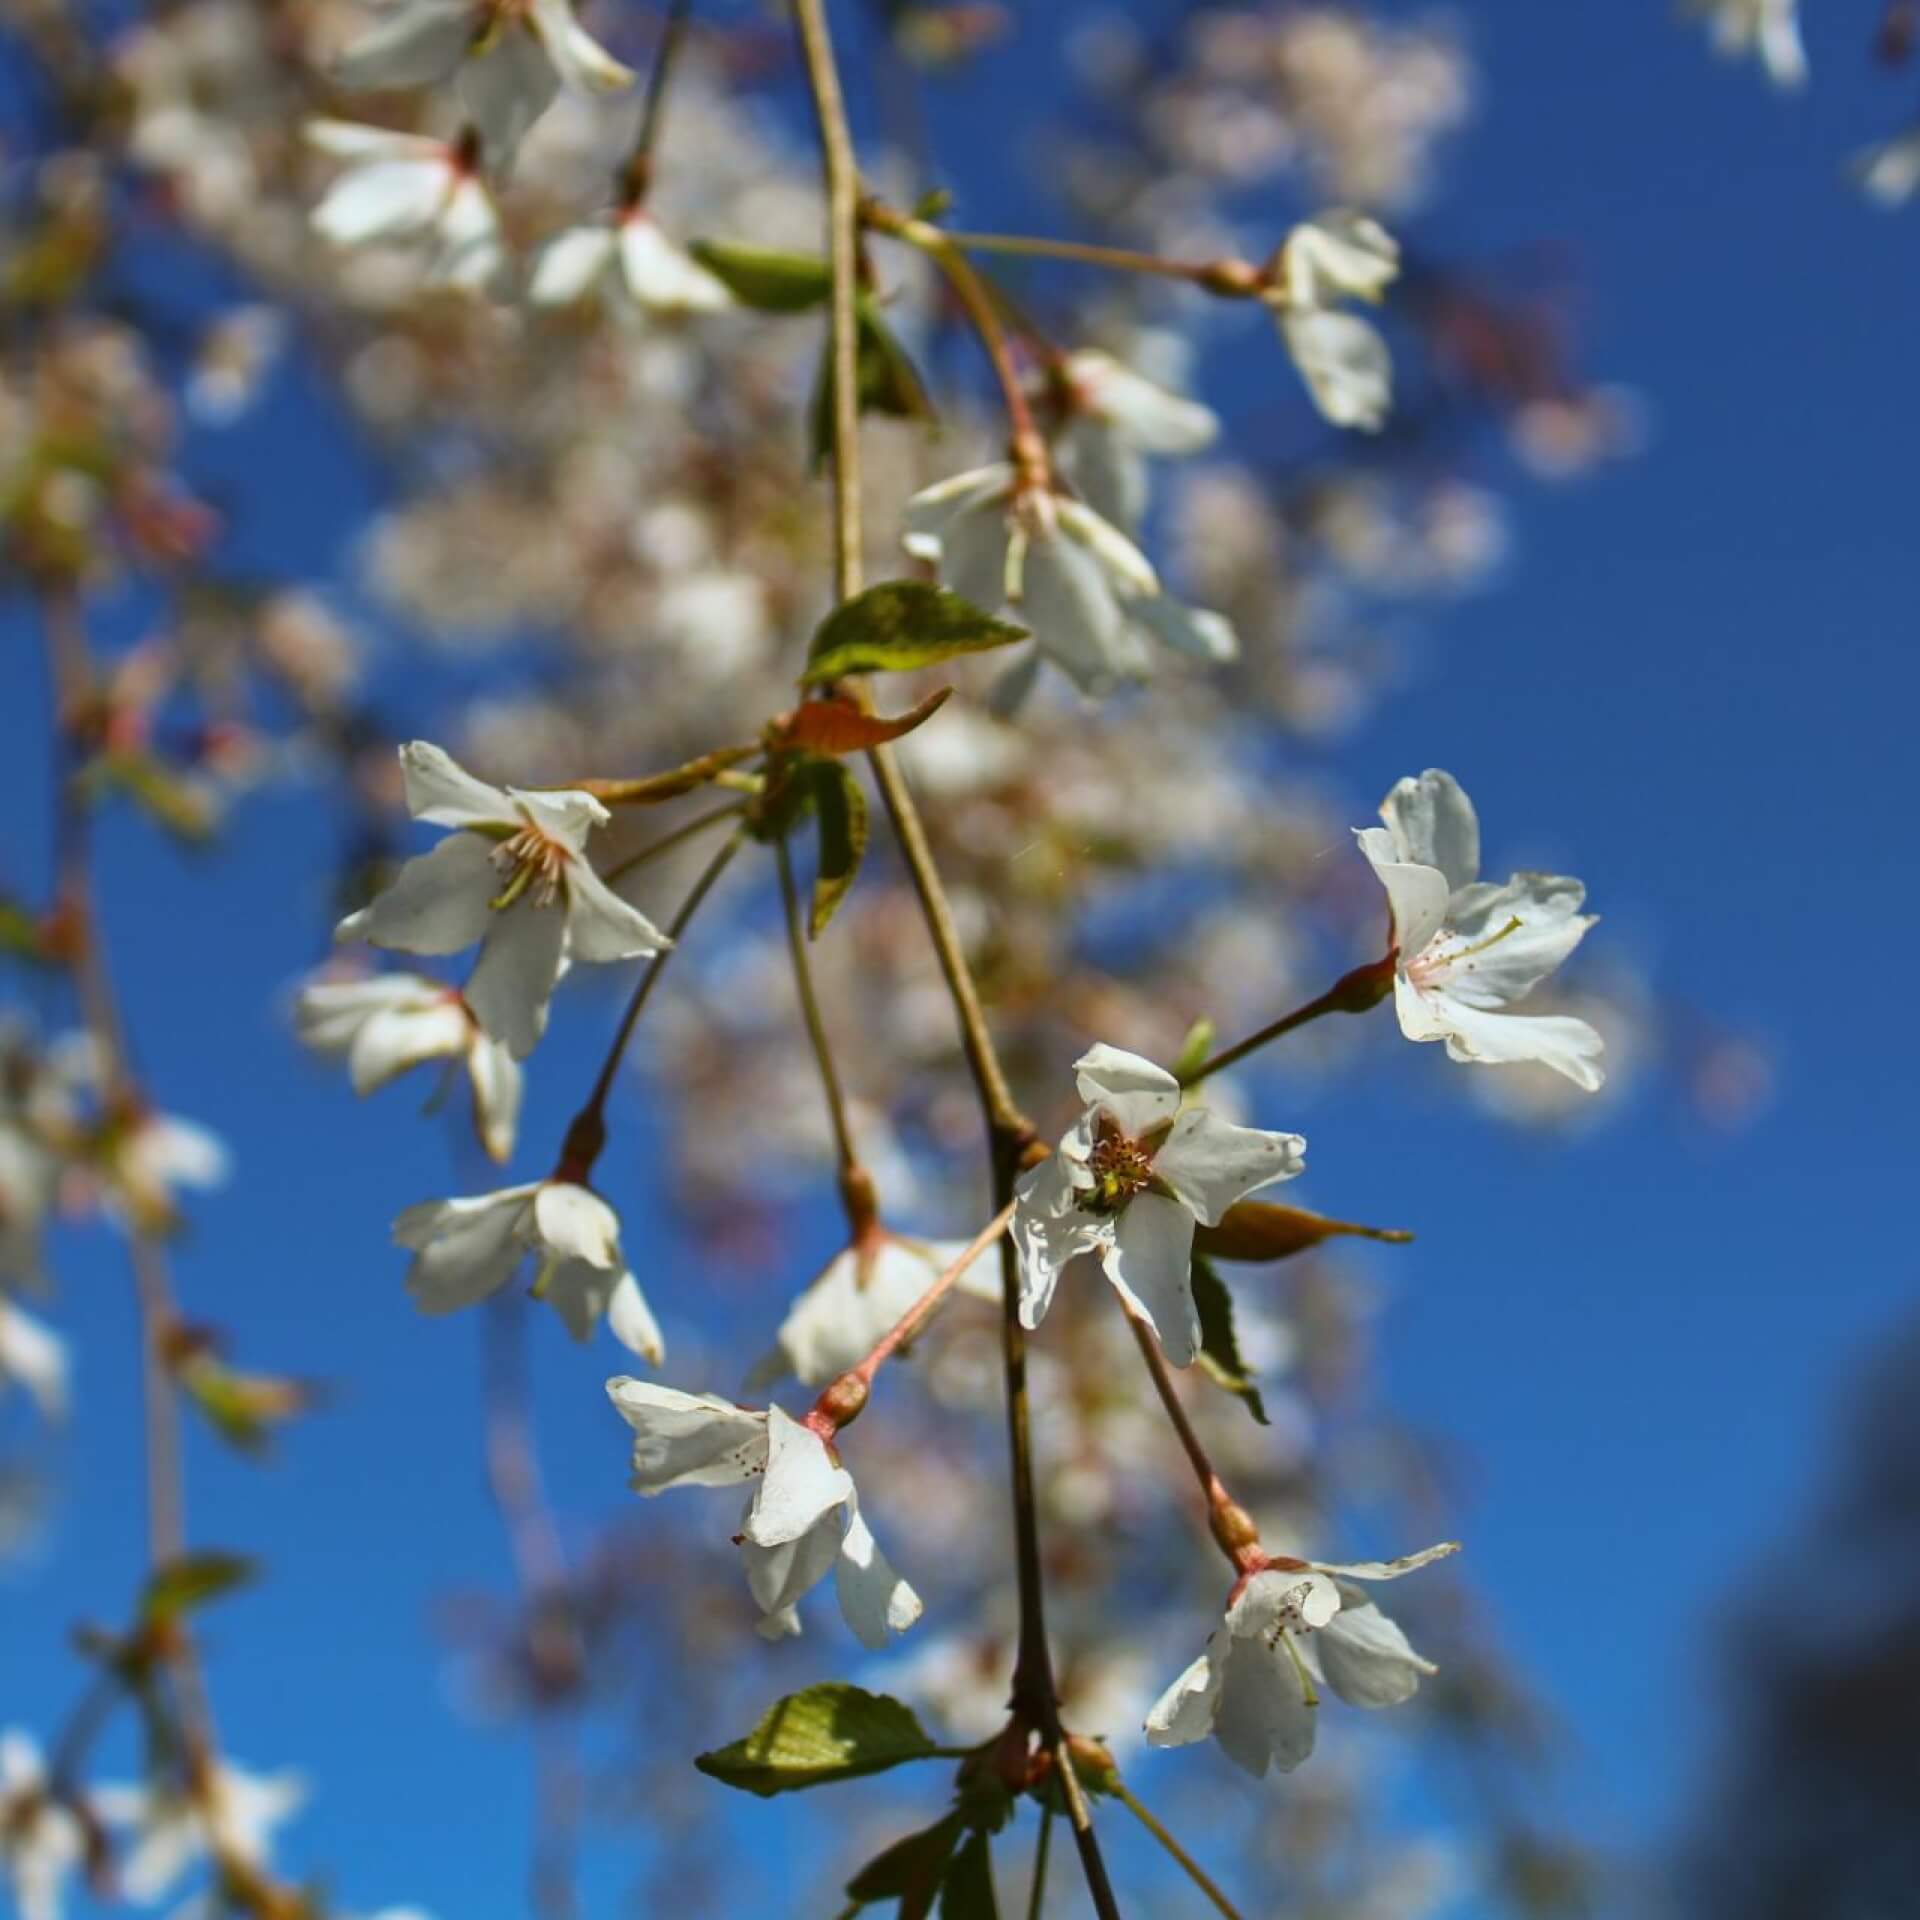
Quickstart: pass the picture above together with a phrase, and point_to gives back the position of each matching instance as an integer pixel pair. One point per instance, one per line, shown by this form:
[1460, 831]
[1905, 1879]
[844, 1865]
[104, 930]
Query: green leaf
[911, 1870]
[21, 932]
[1219, 1346]
[765, 279]
[968, 1894]
[177, 801]
[841, 807]
[1265, 1230]
[821, 1734]
[885, 381]
[900, 625]
[186, 1584]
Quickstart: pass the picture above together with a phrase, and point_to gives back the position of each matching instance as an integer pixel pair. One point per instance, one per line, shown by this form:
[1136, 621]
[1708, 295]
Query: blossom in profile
[1129, 1181]
[390, 1022]
[148, 1157]
[232, 1815]
[42, 1841]
[863, 1292]
[1765, 30]
[1466, 950]
[508, 60]
[465, 1250]
[406, 187]
[1290, 1628]
[1115, 421]
[514, 876]
[33, 1356]
[1336, 256]
[1889, 173]
[630, 259]
[803, 1520]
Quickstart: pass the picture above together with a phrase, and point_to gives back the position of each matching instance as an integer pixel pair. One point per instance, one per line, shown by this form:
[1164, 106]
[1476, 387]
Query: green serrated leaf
[819, 1735]
[900, 625]
[187, 1584]
[1219, 1345]
[968, 1893]
[911, 1870]
[764, 278]
[841, 808]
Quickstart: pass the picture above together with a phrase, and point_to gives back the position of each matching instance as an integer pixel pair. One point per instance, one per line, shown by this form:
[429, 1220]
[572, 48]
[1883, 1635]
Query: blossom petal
[602, 926]
[1417, 895]
[384, 199]
[437, 903]
[1281, 1599]
[1185, 1712]
[513, 979]
[780, 1573]
[353, 140]
[497, 1085]
[1345, 364]
[664, 277]
[1266, 1714]
[395, 1039]
[688, 1439]
[1194, 632]
[1210, 1163]
[444, 794]
[801, 1483]
[577, 1224]
[874, 1599]
[570, 264]
[633, 1323]
[1149, 1263]
[1523, 931]
[1141, 410]
[35, 1356]
[1104, 1074]
[1069, 600]
[582, 63]
[1129, 570]
[1049, 1230]
[418, 43]
[505, 90]
[1388, 1569]
[1557, 1040]
[1367, 1660]
[1434, 825]
[464, 1249]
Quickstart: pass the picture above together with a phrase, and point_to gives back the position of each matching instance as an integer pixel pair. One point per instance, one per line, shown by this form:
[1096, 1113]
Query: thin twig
[810, 1010]
[1042, 1854]
[679, 836]
[1195, 1872]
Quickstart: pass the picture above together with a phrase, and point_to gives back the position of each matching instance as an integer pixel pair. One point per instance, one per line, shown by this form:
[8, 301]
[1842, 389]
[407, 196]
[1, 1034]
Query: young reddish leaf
[837, 725]
[1264, 1230]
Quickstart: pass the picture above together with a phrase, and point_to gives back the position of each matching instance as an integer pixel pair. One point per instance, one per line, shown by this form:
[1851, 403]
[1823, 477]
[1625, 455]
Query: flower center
[1430, 967]
[533, 863]
[1120, 1167]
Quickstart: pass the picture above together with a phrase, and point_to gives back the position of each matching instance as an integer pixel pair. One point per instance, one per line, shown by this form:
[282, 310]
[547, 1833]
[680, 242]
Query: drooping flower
[35, 1356]
[148, 1156]
[467, 1249]
[27, 1175]
[392, 1021]
[403, 186]
[629, 257]
[1465, 950]
[863, 1293]
[1115, 420]
[510, 58]
[232, 1815]
[1339, 255]
[1768, 30]
[1289, 1628]
[803, 1520]
[514, 876]
[42, 1841]
[1129, 1181]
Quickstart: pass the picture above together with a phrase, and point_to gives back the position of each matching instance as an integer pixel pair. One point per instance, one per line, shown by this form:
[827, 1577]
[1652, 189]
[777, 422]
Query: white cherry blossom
[803, 1520]
[1889, 173]
[1088, 593]
[385, 1024]
[509, 56]
[1338, 255]
[467, 1249]
[514, 876]
[35, 1356]
[863, 1293]
[406, 187]
[1290, 1628]
[1767, 30]
[151, 1156]
[1115, 420]
[628, 257]
[1129, 1181]
[1465, 950]
[234, 1816]
[42, 1842]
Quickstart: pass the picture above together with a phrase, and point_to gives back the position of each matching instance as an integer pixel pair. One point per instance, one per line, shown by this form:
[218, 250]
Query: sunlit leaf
[824, 1733]
[900, 625]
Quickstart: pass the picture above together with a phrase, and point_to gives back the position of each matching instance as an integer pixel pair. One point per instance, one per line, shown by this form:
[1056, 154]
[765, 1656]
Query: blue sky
[1694, 686]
